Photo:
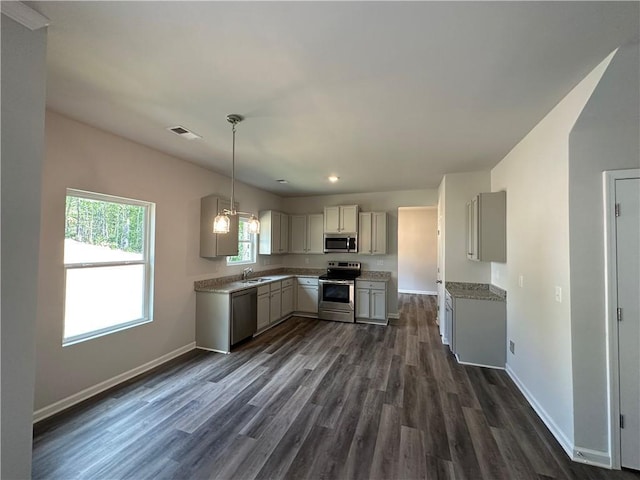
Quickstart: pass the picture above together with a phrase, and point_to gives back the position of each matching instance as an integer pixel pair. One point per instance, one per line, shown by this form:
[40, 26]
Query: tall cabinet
[216, 244]
[372, 233]
[487, 227]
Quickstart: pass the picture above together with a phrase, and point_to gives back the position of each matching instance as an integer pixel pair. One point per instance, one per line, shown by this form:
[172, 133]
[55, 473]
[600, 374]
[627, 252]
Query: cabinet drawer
[263, 289]
[287, 283]
[275, 286]
[372, 285]
[307, 281]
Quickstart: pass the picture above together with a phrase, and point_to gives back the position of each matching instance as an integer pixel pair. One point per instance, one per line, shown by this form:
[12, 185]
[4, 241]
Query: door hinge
[617, 209]
[621, 421]
[619, 311]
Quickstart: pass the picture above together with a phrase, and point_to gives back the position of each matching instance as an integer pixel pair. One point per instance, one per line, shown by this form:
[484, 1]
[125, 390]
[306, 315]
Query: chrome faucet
[246, 272]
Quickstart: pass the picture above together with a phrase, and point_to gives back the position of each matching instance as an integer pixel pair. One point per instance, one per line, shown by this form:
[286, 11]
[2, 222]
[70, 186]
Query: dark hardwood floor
[312, 399]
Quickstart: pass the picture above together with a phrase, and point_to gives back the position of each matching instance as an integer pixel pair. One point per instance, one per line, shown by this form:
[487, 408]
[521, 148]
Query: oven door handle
[338, 282]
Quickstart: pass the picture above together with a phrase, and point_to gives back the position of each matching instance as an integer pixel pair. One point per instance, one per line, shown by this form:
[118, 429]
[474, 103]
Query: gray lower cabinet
[275, 302]
[371, 301]
[478, 331]
[224, 319]
[264, 301]
[286, 303]
[307, 295]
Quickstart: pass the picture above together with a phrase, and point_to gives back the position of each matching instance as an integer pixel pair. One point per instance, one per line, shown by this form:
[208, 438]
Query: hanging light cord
[233, 167]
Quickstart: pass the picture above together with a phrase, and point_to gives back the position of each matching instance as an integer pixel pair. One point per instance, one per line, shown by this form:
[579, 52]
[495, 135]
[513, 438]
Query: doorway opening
[417, 250]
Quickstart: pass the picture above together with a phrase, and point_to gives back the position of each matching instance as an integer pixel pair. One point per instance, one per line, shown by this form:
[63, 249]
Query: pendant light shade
[222, 222]
[254, 225]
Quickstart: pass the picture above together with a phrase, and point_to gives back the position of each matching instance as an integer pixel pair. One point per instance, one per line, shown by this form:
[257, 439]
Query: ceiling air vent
[184, 133]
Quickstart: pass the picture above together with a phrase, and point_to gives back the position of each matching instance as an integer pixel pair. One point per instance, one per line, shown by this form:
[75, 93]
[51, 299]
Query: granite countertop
[476, 291]
[234, 283]
[370, 275]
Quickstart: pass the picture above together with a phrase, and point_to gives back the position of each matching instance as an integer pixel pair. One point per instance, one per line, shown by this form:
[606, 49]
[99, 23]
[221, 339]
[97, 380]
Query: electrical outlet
[380, 262]
[521, 281]
[512, 347]
[558, 294]
[306, 260]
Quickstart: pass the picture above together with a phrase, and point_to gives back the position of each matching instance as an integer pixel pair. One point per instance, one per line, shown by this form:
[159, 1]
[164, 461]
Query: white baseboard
[393, 316]
[592, 457]
[559, 435]
[577, 454]
[65, 403]
[417, 292]
[478, 364]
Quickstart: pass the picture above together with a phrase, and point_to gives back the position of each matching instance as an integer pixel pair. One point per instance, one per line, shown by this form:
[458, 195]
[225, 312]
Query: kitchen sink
[257, 280]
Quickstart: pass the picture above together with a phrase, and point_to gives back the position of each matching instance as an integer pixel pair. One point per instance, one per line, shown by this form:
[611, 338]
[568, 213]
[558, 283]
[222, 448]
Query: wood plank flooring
[312, 399]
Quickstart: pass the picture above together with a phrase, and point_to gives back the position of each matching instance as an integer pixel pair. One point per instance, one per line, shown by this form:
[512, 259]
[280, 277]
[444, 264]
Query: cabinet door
[332, 219]
[364, 234]
[263, 311]
[298, 237]
[213, 244]
[349, 218]
[308, 298]
[470, 231]
[474, 228]
[227, 242]
[363, 303]
[379, 233]
[275, 232]
[275, 306]
[284, 233]
[287, 301]
[378, 305]
[315, 237]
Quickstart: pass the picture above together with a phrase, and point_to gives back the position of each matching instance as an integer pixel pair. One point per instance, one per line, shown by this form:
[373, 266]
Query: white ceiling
[386, 95]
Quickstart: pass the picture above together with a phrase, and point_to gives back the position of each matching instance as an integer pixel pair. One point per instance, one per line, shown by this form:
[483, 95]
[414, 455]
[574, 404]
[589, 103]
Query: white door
[439, 272]
[627, 193]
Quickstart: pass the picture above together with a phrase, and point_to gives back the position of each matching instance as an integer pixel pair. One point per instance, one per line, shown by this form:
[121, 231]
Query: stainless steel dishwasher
[244, 314]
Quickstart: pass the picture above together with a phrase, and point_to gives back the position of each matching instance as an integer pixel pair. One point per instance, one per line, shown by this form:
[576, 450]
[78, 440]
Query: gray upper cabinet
[216, 244]
[341, 219]
[372, 233]
[274, 233]
[487, 227]
[306, 233]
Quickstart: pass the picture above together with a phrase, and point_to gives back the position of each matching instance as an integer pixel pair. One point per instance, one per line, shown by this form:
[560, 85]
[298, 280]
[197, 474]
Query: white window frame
[253, 242]
[147, 261]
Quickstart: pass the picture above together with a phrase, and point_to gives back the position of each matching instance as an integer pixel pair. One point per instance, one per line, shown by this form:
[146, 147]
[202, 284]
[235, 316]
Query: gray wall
[605, 137]
[23, 103]
[83, 157]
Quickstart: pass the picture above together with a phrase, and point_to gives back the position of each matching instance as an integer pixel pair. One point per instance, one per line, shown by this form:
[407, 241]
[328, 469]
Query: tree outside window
[108, 252]
[246, 245]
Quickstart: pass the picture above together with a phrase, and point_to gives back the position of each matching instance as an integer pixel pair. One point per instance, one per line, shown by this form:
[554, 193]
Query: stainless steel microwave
[340, 243]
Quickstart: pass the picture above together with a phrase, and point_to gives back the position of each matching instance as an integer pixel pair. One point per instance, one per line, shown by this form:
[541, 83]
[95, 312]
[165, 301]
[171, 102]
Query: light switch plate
[521, 281]
[558, 294]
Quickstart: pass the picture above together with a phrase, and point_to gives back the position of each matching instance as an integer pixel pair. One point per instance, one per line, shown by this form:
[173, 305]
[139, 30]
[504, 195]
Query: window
[246, 244]
[108, 252]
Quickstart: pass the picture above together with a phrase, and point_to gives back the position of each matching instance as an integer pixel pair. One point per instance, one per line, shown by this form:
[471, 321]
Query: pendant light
[222, 222]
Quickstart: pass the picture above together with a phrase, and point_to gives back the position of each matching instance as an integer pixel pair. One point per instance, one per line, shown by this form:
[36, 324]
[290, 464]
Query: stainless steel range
[336, 298]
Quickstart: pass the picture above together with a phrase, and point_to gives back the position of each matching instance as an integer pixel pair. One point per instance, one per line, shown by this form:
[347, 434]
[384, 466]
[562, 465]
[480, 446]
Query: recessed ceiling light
[282, 180]
[184, 133]
[333, 179]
